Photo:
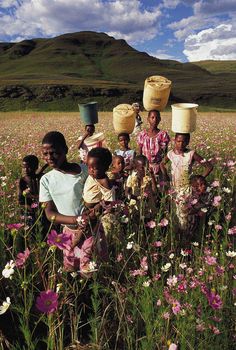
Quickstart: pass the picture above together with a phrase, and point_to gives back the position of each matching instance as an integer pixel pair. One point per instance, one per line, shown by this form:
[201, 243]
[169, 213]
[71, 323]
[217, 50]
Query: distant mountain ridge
[58, 72]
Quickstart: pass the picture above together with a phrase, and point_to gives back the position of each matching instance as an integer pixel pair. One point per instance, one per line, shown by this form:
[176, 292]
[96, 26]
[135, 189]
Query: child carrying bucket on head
[182, 159]
[153, 142]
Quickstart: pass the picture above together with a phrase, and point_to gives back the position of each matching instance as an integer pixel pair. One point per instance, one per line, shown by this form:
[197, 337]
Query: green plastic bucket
[88, 113]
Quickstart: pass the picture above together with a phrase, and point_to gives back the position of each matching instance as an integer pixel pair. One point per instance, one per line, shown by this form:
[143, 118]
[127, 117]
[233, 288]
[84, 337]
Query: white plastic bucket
[96, 140]
[156, 92]
[184, 117]
[124, 118]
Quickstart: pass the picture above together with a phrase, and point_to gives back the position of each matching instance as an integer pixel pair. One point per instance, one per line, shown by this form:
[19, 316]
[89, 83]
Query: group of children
[76, 195]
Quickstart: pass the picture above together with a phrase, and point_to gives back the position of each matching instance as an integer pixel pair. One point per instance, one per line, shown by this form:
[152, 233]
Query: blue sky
[168, 29]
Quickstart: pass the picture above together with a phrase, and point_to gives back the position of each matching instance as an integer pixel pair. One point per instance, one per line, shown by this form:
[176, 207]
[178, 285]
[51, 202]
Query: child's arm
[54, 216]
[80, 144]
[197, 158]
[163, 168]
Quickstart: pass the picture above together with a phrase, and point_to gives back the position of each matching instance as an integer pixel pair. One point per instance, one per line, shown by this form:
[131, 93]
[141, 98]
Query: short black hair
[32, 160]
[186, 135]
[195, 178]
[103, 154]
[155, 111]
[141, 158]
[56, 139]
[124, 134]
[119, 157]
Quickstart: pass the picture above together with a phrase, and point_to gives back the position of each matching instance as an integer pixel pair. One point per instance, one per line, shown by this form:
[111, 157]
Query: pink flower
[15, 226]
[158, 303]
[61, 241]
[144, 264]
[21, 258]
[34, 205]
[216, 201]
[119, 257]
[218, 227]
[157, 244]
[166, 315]
[215, 183]
[173, 346]
[47, 302]
[214, 300]
[232, 230]
[151, 224]
[176, 307]
[164, 222]
[157, 277]
[228, 216]
[138, 273]
[210, 260]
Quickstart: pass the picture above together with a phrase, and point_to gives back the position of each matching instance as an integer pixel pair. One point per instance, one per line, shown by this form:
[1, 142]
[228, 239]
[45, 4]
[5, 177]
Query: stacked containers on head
[89, 116]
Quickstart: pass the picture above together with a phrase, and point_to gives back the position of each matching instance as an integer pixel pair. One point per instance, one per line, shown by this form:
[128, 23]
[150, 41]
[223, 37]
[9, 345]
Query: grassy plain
[153, 293]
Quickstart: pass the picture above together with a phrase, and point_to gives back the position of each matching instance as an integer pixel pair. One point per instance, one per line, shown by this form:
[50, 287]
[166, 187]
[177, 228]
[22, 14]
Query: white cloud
[121, 18]
[217, 43]
[214, 7]
[7, 3]
[162, 55]
[170, 3]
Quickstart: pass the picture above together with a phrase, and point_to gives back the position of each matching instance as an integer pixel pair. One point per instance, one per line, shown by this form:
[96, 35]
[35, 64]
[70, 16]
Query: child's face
[118, 164]
[53, 155]
[90, 129]
[95, 168]
[140, 168]
[181, 142]
[154, 119]
[123, 141]
[199, 187]
[28, 169]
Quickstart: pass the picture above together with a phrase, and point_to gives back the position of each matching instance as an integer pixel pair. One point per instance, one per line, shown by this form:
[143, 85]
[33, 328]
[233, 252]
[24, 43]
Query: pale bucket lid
[94, 138]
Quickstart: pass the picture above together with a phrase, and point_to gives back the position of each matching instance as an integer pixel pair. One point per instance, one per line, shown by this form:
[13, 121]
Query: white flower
[92, 266]
[5, 305]
[211, 222]
[124, 219]
[9, 269]
[146, 283]
[226, 190]
[59, 286]
[183, 266]
[231, 253]
[195, 244]
[172, 280]
[130, 245]
[171, 256]
[204, 210]
[166, 267]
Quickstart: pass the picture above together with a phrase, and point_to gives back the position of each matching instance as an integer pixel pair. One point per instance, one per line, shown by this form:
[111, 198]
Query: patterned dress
[181, 167]
[154, 148]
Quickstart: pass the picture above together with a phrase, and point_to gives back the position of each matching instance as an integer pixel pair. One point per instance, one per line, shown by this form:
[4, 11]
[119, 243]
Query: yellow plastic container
[184, 117]
[96, 140]
[156, 92]
[124, 118]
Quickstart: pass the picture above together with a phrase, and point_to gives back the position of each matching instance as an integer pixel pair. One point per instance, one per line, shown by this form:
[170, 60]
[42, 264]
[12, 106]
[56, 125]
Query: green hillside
[57, 73]
[218, 66]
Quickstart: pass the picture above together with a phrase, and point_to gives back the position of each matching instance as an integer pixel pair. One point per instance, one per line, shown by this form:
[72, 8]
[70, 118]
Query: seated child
[124, 151]
[141, 185]
[28, 187]
[119, 176]
[182, 159]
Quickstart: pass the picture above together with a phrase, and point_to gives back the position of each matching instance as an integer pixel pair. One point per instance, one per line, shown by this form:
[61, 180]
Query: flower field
[154, 292]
